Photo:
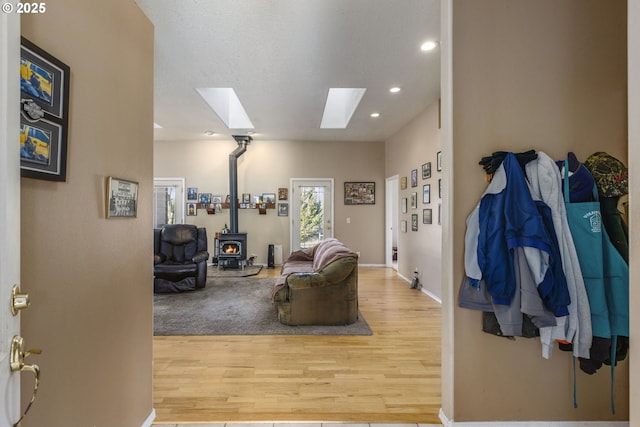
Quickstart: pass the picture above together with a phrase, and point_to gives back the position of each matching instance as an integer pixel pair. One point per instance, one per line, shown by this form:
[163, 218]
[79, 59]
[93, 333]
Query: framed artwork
[426, 194]
[228, 198]
[414, 200]
[427, 216]
[44, 114]
[204, 198]
[403, 226]
[246, 198]
[359, 193]
[439, 213]
[439, 161]
[439, 188]
[426, 170]
[404, 205]
[283, 193]
[283, 209]
[403, 183]
[216, 199]
[192, 209]
[218, 207]
[414, 178]
[268, 198]
[192, 193]
[414, 222]
[122, 198]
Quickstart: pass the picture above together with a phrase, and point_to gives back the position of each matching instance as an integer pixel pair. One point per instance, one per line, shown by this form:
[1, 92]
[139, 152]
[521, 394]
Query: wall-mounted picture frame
[403, 226]
[403, 183]
[426, 194]
[44, 113]
[404, 205]
[204, 198]
[246, 197]
[440, 188]
[414, 178]
[359, 193]
[439, 161]
[414, 222]
[268, 197]
[426, 170]
[427, 216]
[414, 200]
[439, 213]
[192, 209]
[122, 198]
[283, 193]
[192, 193]
[216, 199]
[283, 209]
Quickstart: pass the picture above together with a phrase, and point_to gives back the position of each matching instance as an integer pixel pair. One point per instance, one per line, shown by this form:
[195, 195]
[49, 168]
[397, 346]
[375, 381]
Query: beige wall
[551, 76]
[415, 144]
[269, 165]
[90, 278]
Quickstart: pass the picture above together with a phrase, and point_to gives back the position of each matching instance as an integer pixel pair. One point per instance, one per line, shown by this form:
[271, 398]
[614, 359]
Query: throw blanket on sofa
[316, 258]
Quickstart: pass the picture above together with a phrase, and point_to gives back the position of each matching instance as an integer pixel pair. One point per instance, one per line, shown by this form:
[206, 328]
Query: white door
[391, 218]
[311, 211]
[9, 210]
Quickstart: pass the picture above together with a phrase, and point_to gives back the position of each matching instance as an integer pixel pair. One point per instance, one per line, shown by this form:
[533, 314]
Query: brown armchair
[180, 258]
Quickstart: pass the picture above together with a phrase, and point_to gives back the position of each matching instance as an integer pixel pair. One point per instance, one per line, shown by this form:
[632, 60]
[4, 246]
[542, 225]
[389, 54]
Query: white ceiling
[282, 56]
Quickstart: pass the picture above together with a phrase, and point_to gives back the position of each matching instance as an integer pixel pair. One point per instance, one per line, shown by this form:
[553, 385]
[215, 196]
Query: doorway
[391, 222]
[168, 201]
[311, 211]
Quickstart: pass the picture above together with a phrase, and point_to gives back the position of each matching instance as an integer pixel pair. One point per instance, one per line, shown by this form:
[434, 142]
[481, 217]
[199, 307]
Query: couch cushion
[329, 251]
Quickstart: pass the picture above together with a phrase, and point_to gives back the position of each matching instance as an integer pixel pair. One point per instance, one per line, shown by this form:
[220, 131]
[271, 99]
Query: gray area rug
[251, 270]
[233, 306]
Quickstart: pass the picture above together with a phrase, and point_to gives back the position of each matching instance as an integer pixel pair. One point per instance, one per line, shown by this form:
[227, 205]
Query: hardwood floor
[392, 376]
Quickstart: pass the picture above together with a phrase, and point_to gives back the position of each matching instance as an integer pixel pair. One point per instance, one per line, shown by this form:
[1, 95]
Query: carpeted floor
[233, 306]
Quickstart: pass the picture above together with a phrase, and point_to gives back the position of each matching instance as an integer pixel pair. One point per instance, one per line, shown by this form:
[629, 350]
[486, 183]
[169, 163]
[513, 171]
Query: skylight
[340, 106]
[227, 106]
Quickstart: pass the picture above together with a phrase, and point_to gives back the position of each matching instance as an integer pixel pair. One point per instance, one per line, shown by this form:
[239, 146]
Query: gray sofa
[318, 286]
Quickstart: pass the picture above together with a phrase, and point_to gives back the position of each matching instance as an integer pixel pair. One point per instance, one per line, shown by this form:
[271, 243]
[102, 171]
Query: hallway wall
[89, 277]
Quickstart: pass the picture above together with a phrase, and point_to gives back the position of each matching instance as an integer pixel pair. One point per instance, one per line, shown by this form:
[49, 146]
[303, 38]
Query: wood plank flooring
[392, 376]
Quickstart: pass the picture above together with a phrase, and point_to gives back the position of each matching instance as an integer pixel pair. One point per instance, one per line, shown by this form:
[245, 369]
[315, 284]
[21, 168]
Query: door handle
[16, 364]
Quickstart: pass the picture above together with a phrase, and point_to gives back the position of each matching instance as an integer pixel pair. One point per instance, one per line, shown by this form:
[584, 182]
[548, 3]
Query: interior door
[311, 211]
[9, 211]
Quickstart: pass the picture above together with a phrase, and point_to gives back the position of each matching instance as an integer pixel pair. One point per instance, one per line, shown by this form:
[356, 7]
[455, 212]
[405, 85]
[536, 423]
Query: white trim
[291, 203]
[372, 265]
[149, 421]
[181, 201]
[450, 423]
[391, 220]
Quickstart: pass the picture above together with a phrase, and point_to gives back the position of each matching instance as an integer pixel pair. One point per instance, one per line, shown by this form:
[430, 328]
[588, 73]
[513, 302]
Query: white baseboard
[450, 423]
[423, 290]
[371, 265]
[149, 421]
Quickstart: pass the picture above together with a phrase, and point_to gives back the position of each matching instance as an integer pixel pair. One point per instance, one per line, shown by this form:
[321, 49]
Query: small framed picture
[427, 216]
[192, 193]
[192, 209]
[403, 183]
[283, 193]
[414, 222]
[246, 198]
[426, 194]
[283, 209]
[426, 170]
[439, 188]
[439, 161]
[257, 200]
[404, 205]
[122, 198]
[268, 198]
[439, 213]
[204, 198]
[414, 200]
[403, 226]
[216, 199]
[414, 178]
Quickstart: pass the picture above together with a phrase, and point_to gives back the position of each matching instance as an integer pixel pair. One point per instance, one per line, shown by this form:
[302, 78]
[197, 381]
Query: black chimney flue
[243, 141]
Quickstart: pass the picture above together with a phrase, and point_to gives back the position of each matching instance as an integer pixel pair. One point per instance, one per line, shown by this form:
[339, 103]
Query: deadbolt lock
[19, 301]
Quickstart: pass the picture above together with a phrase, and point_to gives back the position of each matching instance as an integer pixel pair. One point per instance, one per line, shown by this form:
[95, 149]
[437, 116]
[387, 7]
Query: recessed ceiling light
[428, 45]
[209, 132]
[394, 89]
[227, 106]
[375, 115]
[340, 106]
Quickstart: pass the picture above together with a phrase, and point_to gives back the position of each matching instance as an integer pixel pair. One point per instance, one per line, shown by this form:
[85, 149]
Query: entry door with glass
[311, 211]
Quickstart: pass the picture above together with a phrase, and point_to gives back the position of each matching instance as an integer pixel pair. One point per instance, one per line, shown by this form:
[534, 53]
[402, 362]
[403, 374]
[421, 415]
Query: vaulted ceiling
[282, 56]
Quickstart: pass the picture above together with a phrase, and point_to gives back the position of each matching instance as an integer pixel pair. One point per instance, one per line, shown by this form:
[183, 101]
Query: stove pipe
[243, 141]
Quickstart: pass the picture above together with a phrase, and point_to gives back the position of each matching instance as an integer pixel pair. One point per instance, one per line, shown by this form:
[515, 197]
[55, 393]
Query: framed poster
[122, 198]
[44, 114]
[359, 193]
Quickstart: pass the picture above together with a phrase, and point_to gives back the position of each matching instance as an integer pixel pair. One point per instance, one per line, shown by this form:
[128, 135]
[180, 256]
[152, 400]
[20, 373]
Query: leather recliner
[180, 258]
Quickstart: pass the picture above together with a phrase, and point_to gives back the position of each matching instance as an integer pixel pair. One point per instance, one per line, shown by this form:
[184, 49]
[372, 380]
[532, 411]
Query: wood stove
[232, 250]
